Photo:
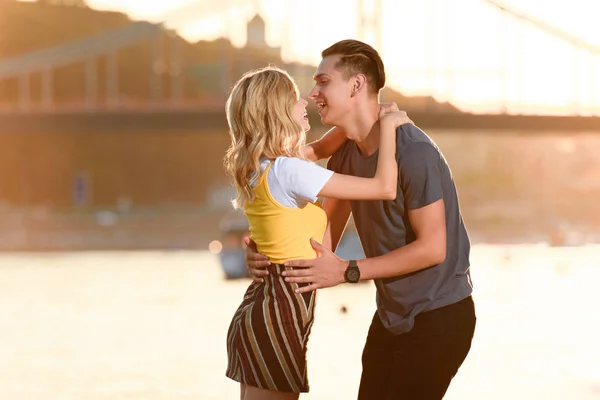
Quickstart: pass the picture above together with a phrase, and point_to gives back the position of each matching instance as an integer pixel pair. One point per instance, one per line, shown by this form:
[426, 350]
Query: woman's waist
[281, 251]
[287, 235]
[277, 268]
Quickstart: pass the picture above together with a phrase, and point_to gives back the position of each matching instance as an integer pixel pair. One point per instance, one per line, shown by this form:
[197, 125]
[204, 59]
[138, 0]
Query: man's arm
[324, 147]
[428, 249]
[421, 183]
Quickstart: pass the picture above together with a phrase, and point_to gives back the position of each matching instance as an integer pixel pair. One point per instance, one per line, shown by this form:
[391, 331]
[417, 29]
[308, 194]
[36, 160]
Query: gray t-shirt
[383, 226]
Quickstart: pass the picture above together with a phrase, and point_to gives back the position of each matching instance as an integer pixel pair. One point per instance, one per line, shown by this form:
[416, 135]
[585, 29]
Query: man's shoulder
[409, 137]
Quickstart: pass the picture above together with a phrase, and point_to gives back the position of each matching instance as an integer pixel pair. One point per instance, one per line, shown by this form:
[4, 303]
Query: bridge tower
[369, 22]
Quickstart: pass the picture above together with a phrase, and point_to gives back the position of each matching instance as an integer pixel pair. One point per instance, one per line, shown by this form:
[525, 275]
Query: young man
[417, 246]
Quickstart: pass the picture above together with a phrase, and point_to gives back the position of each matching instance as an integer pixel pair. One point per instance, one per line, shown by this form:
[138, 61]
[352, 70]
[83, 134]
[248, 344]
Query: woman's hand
[396, 118]
[390, 111]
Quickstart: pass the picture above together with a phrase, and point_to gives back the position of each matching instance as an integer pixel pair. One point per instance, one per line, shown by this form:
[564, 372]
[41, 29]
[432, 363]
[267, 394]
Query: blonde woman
[278, 187]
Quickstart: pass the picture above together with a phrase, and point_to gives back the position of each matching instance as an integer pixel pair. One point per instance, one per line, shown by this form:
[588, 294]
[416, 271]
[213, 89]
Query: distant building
[221, 64]
[256, 38]
[256, 32]
[77, 3]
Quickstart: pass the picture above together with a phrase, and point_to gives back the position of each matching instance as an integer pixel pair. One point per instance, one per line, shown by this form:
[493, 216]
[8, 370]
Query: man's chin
[326, 121]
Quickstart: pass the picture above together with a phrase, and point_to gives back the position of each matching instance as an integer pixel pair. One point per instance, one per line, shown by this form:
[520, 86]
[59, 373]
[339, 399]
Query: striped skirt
[266, 341]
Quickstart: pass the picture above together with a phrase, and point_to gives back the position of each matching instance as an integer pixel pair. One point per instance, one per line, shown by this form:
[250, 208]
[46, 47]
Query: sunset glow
[463, 51]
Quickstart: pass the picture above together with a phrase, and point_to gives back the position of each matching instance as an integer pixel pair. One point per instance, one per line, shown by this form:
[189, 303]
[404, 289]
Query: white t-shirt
[293, 182]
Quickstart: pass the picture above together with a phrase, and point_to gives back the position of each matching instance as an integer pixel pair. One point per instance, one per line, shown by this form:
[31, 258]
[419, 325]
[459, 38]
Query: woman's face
[299, 114]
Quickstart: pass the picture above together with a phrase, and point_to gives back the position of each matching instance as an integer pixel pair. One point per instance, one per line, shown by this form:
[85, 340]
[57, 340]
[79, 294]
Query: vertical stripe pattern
[266, 341]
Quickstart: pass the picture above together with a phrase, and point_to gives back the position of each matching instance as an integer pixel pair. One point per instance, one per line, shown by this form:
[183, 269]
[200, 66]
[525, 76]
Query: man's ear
[359, 84]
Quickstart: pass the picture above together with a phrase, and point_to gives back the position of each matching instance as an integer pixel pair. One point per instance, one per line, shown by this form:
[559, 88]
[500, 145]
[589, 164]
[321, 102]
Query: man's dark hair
[358, 58]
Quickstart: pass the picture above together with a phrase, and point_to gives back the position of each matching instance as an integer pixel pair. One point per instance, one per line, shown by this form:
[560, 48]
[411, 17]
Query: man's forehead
[327, 66]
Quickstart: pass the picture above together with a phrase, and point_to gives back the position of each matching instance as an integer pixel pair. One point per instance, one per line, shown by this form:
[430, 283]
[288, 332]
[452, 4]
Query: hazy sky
[463, 51]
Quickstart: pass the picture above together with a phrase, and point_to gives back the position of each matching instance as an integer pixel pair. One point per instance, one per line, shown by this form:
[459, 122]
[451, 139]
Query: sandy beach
[152, 325]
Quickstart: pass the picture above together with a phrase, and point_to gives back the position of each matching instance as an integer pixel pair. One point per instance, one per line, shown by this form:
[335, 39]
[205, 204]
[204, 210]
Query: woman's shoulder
[285, 167]
[286, 162]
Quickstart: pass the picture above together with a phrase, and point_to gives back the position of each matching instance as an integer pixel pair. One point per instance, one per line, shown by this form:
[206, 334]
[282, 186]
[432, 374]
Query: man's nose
[313, 92]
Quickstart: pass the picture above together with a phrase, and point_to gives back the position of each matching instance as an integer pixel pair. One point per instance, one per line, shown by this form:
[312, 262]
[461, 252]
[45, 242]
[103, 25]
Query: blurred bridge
[105, 46]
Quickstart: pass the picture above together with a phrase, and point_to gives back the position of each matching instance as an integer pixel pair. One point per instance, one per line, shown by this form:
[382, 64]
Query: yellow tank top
[283, 233]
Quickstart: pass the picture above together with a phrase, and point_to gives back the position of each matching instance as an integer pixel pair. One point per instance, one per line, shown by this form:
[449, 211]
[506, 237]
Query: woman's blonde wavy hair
[259, 114]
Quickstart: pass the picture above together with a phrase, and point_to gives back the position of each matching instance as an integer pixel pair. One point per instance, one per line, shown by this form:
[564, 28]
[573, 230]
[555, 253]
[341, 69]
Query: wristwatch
[352, 274]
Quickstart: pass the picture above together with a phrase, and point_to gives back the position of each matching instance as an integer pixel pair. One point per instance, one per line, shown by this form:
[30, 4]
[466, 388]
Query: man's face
[332, 92]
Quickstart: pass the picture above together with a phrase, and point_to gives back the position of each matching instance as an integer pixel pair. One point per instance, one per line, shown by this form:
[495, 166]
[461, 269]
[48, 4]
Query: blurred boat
[233, 227]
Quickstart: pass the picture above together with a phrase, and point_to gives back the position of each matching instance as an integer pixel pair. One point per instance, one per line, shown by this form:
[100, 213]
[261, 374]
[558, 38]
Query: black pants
[417, 365]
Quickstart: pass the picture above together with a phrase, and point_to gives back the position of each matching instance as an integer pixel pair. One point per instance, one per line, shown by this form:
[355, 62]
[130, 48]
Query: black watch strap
[352, 274]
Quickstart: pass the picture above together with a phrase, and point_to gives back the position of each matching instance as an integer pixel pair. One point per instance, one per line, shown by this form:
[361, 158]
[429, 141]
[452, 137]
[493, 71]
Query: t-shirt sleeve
[421, 175]
[333, 163]
[299, 179]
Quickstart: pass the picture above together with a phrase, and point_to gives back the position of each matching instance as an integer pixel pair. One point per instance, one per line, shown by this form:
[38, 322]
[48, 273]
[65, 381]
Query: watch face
[353, 275]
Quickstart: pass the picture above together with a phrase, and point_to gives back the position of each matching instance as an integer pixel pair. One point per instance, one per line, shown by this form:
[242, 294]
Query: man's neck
[363, 128]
